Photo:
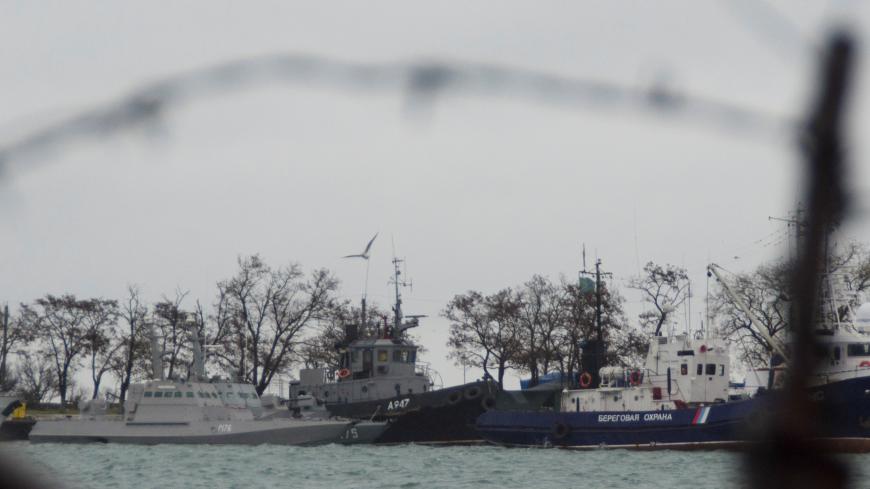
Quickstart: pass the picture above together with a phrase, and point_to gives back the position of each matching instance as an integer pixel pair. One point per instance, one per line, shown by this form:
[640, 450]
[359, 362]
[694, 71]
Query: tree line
[541, 326]
[262, 320]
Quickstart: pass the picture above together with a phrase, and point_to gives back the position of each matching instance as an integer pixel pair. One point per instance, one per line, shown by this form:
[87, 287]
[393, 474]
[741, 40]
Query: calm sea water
[340, 467]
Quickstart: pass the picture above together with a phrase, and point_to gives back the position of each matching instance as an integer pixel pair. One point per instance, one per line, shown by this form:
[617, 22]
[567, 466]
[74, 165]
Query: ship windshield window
[858, 350]
[189, 393]
[700, 368]
[158, 394]
[711, 369]
[354, 356]
[382, 356]
[148, 393]
[177, 393]
[684, 369]
[412, 356]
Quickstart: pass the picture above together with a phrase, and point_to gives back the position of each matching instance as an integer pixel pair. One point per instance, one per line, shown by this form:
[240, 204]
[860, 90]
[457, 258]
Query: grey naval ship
[198, 411]
[379, 379]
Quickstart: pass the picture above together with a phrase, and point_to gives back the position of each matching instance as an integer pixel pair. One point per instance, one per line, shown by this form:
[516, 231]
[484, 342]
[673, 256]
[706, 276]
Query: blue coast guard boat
[679, 400]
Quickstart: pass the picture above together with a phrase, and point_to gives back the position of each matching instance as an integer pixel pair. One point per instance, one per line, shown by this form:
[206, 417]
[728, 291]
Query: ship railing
[82, 417]
[425, 369]
[833, 376]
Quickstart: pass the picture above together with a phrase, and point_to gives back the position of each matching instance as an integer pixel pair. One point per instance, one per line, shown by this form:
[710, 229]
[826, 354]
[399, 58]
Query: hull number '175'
[398, 404]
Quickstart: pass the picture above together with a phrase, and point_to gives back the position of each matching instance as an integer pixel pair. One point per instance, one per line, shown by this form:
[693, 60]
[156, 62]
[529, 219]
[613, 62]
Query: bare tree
[37, 377]
[133, 314]
[60, 323]
[484, 331]
[764, 292]
[267, 310]
[101, 338]
[172, 323]
[849, 265]
[540, 318]
[665, 288]
[13, 336]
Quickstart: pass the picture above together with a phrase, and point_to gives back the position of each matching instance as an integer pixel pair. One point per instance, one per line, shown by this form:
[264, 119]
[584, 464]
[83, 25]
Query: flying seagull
[365, 254]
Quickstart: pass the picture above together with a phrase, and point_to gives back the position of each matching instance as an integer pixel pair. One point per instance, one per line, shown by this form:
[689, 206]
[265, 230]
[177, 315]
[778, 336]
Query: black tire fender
[488, 403]
[560, 430]
[454, 397]
[472, 393]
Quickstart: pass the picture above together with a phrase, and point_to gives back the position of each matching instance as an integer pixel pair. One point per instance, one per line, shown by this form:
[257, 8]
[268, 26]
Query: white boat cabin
[678, 371]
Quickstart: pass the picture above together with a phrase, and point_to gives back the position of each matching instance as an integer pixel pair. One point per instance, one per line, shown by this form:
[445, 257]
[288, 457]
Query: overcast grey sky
[478, 192]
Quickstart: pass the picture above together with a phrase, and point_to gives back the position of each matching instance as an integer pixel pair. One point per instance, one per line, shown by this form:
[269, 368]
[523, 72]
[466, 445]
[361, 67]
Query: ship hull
[443, 416]
[717, 426]
[198, 432]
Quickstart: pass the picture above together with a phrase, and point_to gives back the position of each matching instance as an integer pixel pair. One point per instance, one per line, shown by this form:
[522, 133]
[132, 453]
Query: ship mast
[398, 283]
[399, 323]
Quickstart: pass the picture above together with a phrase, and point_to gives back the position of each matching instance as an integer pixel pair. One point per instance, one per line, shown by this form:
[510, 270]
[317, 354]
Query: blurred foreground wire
[422, 82]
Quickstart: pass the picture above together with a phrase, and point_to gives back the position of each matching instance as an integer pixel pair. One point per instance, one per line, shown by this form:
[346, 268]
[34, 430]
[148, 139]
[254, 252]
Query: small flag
[701, 415]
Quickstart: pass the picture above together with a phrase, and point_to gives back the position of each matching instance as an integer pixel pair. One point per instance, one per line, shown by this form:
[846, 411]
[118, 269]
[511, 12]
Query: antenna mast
[398, 282]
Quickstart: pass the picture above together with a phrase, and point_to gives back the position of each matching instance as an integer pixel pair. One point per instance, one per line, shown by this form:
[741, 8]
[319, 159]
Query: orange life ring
[634, 378]
[343, 373]
[585, 379]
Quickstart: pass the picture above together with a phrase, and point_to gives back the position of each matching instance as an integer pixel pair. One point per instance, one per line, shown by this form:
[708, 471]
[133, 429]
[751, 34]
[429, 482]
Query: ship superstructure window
[836, 353]
[684, 369]
[158, 394]
[177, 393]
[189, 393]
[382, 356]
[858, 350]
[700, 368]
[148, 393]
[721, 370]
[401, 356]
[711, 369]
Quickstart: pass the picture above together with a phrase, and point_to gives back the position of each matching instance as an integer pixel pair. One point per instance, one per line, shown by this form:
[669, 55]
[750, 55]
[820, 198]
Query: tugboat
[379, 379]
[188, 412]
[679, 400]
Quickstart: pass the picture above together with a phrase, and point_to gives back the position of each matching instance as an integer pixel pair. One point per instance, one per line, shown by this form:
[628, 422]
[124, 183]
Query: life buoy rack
[635, 377]
[343, 373]
[585, 379]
